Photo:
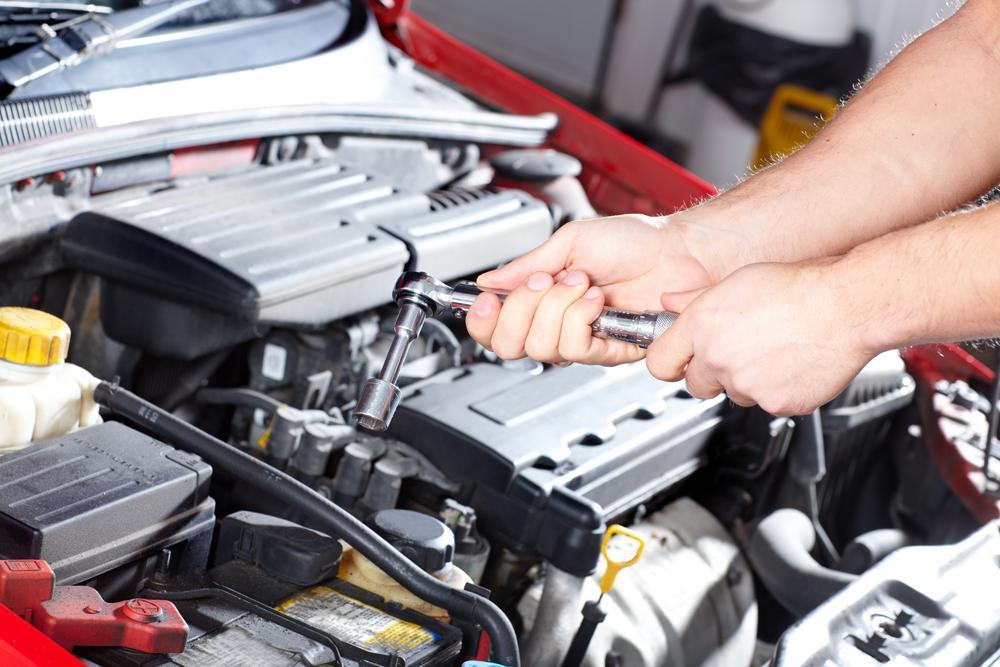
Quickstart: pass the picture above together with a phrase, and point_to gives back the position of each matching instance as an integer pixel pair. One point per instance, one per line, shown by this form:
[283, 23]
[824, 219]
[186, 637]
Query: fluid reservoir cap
[420, 537]
[536, 164]
[32, 337]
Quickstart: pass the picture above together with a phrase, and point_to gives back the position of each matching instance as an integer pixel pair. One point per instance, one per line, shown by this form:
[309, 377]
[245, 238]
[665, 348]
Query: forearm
[935, 282]
[918, 140]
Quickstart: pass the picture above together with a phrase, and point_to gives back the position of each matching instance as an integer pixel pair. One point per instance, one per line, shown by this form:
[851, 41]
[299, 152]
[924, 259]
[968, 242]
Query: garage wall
[560, 43]
[611, 55]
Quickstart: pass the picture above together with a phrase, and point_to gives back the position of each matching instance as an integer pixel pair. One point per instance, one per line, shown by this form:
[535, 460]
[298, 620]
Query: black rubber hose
[239, 397]
[321, 514]
[779, 552]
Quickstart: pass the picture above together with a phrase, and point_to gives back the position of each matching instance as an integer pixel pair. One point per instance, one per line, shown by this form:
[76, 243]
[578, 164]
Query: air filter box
[100, 497]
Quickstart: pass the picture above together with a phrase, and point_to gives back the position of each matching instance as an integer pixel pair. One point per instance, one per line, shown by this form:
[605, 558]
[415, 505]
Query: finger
[700, 381]
[676, 302]
[481, 319]
[739, 399]
[516, 316]
[669, 354]
[542, 343]
[578, 343]
[550, 257]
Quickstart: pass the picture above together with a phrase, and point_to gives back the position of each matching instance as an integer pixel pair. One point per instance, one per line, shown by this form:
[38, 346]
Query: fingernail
[538, 282]
[486, 277]
[592, 293]
[482, 306]
[574, 278]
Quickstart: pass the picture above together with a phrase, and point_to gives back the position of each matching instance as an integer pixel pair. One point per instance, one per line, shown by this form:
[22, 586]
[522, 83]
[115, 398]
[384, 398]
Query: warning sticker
[359, 624]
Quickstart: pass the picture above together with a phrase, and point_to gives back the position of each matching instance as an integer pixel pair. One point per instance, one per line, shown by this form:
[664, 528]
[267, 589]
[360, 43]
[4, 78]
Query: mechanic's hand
[783, 336]
[559, 288]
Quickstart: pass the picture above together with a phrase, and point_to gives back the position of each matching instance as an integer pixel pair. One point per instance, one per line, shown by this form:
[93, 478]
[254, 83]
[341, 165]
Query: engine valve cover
[547, 457]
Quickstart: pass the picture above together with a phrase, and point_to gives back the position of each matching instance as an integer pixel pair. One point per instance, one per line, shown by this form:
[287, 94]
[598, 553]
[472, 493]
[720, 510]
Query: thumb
[550, 257]
[676, 302]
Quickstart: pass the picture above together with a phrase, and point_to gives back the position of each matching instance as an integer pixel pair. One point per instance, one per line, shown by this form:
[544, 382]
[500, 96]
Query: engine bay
[191, 487]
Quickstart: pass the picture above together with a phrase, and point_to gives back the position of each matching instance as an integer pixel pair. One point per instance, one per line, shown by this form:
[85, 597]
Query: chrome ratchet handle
[638, 328]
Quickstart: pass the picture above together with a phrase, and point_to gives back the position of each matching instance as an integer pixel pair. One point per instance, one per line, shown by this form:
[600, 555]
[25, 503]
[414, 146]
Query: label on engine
[360, 624]
[272, 365]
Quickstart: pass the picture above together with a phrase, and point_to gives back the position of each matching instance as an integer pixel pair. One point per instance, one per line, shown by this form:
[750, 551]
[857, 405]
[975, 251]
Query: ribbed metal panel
[34, 118]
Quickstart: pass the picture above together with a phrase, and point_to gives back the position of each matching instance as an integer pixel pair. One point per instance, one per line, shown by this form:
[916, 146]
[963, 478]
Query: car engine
[191, 488]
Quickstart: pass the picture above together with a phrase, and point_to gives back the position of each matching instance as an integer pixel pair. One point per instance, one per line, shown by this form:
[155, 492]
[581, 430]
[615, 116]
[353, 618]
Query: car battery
[367, 632]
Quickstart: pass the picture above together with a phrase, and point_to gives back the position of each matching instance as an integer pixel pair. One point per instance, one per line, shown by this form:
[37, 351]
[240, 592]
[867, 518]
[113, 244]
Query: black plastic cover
[420, 537]
[285, 550]
[546, 458]
[92, 500]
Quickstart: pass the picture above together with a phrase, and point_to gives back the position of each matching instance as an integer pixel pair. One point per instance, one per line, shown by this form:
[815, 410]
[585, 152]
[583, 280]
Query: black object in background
[744, 66]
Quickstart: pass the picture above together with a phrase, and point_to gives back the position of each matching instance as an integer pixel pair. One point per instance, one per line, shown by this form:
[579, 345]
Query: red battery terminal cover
[78, 616]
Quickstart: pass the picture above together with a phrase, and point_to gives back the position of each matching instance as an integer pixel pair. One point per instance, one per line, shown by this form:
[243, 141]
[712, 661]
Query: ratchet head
[418, 287]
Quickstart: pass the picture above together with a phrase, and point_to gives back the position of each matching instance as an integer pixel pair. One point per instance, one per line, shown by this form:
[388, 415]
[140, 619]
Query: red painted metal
[74, 616]
[929, 364]
[620, 175]
[203, 160]
[23, 645]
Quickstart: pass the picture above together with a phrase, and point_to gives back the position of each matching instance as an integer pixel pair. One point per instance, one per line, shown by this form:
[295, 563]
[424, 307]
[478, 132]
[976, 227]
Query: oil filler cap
[423, 539]
[32, 337]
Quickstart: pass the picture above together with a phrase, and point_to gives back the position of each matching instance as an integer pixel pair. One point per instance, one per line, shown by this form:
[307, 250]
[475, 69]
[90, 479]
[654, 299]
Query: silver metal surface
[489, 227]
[161, 134]
[638, 328]
[380, 395]
[418, 292]
[557, 617]
[377, 404]
[937, 606]
[293, 232]
[688, 602]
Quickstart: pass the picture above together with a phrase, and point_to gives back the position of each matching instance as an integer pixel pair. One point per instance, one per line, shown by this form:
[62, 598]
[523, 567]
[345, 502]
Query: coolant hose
[779, 552]
[869, 548]
[556, 619]
[321, 514]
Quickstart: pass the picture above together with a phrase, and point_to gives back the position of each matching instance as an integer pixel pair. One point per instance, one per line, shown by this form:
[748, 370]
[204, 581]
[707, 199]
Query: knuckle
[740, 387]
[659, 372]
[702, 392]
[506, 350]
[775, 405]
[713, 360]
[571, 352]
[539, 351]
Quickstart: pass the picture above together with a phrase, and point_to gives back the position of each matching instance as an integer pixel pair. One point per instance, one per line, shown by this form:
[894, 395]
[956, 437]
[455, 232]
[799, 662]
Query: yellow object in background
[793, 117]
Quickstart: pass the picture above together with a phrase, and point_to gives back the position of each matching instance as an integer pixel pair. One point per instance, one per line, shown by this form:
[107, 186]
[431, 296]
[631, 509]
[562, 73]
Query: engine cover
[547, 457]
[937, 606]
[298, 244]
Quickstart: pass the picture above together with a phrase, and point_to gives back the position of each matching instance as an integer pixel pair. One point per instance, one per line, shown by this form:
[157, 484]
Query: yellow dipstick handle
[617, 557]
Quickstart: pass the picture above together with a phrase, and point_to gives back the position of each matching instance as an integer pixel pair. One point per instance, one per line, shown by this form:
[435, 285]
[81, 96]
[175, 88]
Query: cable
[240, 397]
[321, 513]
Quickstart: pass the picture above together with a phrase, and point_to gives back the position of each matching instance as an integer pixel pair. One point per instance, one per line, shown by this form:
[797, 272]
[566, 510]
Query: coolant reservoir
[41, 395]
[425, 541]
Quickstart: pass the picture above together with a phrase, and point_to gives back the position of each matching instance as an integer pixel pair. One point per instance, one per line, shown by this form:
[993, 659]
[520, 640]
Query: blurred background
[716, 85]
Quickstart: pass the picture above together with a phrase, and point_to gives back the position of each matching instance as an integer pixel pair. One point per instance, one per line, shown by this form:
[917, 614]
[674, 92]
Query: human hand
[786, 337]
[558, 289]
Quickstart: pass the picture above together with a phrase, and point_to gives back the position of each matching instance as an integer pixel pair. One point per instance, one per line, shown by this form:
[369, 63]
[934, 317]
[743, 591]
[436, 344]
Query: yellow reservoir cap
[32, 337]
